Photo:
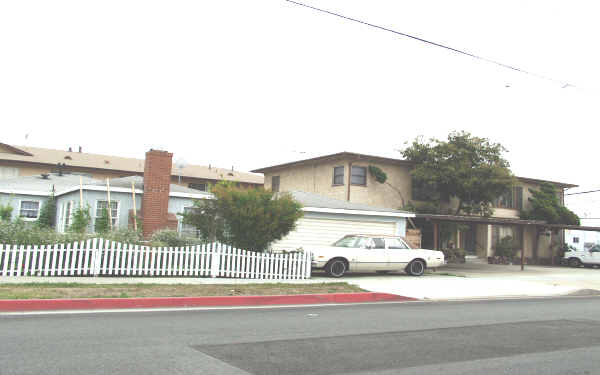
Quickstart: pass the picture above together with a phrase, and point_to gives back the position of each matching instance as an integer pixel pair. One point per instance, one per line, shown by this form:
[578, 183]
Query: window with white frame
[29, 210]
[68, 215]
[114, 210]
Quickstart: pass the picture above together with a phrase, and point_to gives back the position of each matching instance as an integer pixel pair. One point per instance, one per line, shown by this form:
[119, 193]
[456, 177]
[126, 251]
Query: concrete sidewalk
[474, 279]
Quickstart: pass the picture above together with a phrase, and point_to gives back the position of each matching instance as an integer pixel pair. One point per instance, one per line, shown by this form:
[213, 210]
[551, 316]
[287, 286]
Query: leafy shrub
[169, 237]
[129, 236]
[378, 174]
[454, 255]
[506, 247]
[48, 214]
[19, 232]
[102, 223]
[81, 220]
[5, 212]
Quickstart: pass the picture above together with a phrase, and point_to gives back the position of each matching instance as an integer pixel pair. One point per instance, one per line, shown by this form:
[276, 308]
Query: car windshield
[351, 241]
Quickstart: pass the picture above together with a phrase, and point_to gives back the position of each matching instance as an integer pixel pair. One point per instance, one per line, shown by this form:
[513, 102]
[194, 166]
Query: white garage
[326, 220]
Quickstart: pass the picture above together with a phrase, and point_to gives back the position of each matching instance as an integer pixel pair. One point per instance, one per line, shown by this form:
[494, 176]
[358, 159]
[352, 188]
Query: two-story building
[345, 176]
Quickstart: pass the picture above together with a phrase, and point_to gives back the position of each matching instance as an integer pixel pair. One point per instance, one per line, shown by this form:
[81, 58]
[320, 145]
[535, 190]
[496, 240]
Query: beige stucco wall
[318, 178]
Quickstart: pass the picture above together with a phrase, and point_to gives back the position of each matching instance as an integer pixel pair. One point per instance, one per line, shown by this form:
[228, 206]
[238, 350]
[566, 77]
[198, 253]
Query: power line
[584, 192]
[562, 83]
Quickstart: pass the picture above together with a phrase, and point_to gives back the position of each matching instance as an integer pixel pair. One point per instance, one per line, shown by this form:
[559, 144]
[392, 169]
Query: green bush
[48, 214]
[129, 236]
[19, 232]
[506, 247]
[171, 238]
[5, 212]
[102, 223]
[81, 220]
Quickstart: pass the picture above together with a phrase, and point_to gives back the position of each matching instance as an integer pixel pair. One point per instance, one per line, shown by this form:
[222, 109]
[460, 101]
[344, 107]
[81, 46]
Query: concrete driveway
[477, 279]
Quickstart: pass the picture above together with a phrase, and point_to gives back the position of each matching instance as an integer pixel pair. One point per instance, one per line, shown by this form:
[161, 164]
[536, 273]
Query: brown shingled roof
[122, 164]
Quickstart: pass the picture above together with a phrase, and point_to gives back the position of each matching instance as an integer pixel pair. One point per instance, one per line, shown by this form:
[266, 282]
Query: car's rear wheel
[574, 262]
[336, 267]
[416, 267]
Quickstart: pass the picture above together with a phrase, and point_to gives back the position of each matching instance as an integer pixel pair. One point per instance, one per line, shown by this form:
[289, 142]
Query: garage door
[324, 232]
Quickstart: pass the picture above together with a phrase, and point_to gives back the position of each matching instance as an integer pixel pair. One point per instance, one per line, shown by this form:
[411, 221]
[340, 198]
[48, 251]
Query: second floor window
[338, 175]
[511, 199]
[275, 184]
[202, 186]
[359, 176]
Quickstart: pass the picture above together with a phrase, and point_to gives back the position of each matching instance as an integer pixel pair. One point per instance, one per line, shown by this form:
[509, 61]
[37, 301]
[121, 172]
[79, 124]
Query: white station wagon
[360, 253]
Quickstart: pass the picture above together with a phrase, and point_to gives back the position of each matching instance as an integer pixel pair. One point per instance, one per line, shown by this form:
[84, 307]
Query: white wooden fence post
[215, 260]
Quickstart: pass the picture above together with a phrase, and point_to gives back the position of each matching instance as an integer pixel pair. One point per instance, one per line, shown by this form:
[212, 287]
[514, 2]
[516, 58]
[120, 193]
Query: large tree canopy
[469, 168]
[246, 219]
[546, 206]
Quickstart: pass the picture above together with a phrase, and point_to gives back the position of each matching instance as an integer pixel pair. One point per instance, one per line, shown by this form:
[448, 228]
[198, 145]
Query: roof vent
[106, 162]
[45, 175]
[68, 157]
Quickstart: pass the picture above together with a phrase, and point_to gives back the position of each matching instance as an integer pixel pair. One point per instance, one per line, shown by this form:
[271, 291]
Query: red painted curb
[128, 303]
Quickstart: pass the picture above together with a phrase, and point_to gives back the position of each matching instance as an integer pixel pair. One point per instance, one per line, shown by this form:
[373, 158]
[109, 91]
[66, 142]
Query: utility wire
[562, 83]
[584, 192]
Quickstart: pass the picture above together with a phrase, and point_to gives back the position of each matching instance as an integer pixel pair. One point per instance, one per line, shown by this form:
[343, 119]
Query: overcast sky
[255, 83]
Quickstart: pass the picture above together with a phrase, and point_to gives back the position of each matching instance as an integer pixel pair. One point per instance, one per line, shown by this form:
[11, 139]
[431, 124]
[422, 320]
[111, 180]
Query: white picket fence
[98, 257]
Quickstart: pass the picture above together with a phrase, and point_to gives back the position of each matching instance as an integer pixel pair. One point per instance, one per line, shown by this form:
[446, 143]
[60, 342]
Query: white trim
[26, 192]
[102, 188]
[29, 218]
[357, 212]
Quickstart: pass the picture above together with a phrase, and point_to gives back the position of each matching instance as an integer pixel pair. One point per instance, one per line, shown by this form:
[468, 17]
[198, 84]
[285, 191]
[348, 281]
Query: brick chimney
[157, 182]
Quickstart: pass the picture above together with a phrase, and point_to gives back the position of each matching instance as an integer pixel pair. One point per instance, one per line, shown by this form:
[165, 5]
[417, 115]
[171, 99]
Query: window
[501, 231]
[8, 172]
[275, 184]
[511, 199]
[575, 239]
[29, 210]
[114, 210]
[338, 175]
[202, 186]
[68, 215]
[378, 243]
[395, 243]
[359, 176]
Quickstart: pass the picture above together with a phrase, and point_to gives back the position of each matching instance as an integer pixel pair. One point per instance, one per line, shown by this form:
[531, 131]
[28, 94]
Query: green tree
[470, 168]
[81, 219]
[545, 205]
[47, 217]
[247, 219]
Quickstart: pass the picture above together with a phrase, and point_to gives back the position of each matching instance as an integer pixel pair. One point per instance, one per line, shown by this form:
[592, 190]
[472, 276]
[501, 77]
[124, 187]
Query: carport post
[522, 251]
[436, 235]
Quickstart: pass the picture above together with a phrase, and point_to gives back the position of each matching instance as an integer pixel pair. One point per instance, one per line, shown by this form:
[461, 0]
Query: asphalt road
[536, 336]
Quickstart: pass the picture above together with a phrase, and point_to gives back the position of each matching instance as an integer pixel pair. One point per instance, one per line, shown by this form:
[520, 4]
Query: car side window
[395, 243]
[379, 243]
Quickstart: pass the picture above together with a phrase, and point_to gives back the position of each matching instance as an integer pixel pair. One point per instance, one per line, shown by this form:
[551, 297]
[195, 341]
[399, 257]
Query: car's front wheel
[336, 267]
[416, 267]
[574, 262]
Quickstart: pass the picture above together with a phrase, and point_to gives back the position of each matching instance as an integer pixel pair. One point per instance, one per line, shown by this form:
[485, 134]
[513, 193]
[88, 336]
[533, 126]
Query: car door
[399, 254]
[372, 256]
[595, 255]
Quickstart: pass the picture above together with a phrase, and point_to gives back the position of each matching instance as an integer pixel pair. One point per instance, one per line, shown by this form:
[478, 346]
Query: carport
[534, 226]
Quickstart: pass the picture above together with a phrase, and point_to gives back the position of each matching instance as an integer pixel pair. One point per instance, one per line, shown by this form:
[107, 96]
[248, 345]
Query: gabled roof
[4, 148]
[336, 156]
[52, 157]
[355, 156]
[314, 202]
